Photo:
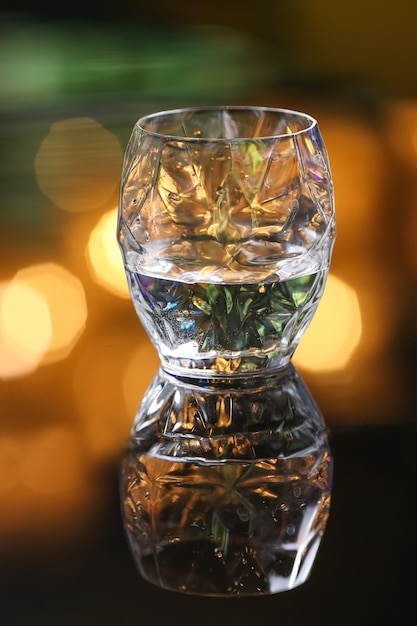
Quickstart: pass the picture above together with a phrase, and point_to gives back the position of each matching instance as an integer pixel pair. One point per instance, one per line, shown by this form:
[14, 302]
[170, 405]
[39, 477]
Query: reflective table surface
[363, 573]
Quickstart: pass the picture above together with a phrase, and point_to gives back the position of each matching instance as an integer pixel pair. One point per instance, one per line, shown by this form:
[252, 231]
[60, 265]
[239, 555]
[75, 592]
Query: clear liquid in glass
[234, 327]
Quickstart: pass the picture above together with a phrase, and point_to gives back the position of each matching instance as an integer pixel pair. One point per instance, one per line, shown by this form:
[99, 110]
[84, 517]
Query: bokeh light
[78, 163]
[357, 163]
[25, 328]
[104, 257]
[66, 302]
[43, 313]
[334, 333]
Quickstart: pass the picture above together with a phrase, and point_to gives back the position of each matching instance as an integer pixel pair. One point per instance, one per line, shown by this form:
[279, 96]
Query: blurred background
[74, 360]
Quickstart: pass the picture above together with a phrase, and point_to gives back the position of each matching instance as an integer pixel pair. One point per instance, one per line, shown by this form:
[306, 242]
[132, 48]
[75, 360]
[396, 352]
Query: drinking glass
[226, 227]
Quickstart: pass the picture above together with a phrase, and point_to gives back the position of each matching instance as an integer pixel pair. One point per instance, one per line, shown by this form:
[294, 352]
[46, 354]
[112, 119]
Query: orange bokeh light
[104, 257]
[335, 332]
[43, 313]
[25, 328]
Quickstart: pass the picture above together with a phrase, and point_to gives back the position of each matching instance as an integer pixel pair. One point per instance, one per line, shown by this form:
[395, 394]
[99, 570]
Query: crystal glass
[226, 226]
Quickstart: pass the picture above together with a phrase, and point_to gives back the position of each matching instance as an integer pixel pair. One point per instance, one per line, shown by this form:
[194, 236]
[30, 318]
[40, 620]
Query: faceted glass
[226, 226]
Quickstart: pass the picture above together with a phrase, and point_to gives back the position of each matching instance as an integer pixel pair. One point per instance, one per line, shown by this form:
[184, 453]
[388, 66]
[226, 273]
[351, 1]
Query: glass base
[200, 568]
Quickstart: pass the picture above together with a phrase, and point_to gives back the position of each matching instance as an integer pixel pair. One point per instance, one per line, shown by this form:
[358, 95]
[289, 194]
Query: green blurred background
[74, 360]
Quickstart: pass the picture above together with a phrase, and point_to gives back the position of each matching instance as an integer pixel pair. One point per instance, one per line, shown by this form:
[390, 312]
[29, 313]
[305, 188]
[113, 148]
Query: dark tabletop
[363, 574]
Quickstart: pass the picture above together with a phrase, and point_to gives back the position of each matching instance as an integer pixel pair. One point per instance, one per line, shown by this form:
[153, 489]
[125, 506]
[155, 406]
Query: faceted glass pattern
[226, 195]
[226, 489]
[226, 225]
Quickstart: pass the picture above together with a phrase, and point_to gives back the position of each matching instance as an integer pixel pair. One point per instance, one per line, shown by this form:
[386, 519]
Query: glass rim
[311, 123]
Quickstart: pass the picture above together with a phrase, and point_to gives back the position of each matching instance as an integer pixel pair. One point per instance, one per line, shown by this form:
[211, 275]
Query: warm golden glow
[66, 301]
[335, 331]
[410, 235]
[402, 133]
[98, 395]
[47, 483]
[401, 130]
[54, 462]
[357, 164]
[25, 328]
[9, 463]
[139, 371]
[104, 257]
[78, 164]
[42, 315]
[109, 371]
